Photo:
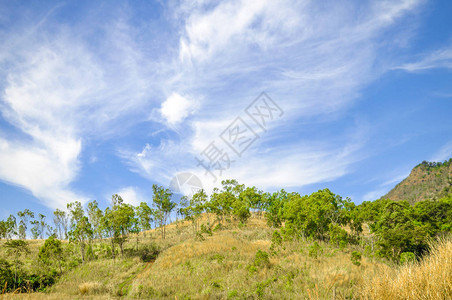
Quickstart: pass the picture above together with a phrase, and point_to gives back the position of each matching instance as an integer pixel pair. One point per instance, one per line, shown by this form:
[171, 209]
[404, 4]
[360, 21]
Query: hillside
[224, 264]
[427, 181]
[237, 243]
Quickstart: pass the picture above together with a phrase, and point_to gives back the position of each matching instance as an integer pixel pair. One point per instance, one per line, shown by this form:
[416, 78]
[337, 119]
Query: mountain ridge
[427, 181]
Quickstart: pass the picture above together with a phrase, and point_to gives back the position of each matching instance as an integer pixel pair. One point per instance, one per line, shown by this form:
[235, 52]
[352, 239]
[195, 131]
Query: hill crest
[427, 181]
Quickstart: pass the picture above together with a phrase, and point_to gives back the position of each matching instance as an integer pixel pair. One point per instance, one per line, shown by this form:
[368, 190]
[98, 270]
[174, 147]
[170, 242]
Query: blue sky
[103, 97]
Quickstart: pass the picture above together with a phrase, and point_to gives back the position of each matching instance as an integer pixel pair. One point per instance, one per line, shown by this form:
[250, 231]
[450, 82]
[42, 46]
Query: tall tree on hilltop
[24, 217]
[163, 204]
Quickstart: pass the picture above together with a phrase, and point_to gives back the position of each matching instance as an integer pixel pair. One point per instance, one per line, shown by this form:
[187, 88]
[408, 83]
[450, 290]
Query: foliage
[81, 230]
[51, 253]
[356, 258]
[407, 257]
[315, 250]
[24, 217]
[322, 220]
[164, 205]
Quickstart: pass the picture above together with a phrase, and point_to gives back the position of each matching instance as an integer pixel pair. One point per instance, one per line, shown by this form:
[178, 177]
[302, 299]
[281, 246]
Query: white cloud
[45, 170]
[159, 163]
[441, 58]
[375, 194]
[312, 60]
[176, 108]
[445, 152]
[130, 195]
[61, 89]
[57, 93]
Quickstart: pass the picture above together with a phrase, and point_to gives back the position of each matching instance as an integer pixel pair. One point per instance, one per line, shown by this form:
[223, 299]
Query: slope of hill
[428, 180]
[223, 265]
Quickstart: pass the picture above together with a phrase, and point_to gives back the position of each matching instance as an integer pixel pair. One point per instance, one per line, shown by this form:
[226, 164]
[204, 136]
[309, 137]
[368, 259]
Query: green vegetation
[427, 181]
[238, 243]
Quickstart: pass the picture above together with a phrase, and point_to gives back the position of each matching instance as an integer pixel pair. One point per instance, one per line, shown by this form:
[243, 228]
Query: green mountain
[428, 180]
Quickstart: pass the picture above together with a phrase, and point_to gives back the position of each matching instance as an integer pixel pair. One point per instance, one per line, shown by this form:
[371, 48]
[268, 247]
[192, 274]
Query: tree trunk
[137, 241]
[112, 247]
[82, 250]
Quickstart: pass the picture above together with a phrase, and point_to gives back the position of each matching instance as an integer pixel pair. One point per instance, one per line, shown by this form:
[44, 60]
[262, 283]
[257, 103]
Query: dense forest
[392, 230]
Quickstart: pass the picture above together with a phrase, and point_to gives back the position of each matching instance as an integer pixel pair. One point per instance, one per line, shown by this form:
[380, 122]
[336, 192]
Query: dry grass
[218, 268]
[429, 279]
[91, 288]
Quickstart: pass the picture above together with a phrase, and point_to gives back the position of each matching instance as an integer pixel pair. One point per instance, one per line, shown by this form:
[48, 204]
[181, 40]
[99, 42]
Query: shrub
[6, 275]
[218, 227]
[315, 250]
[149, 253]
[261, 259]
[205, 229]
[356, 258]
[407, 257]
[260, 286]
[232, 294]
[218, 257]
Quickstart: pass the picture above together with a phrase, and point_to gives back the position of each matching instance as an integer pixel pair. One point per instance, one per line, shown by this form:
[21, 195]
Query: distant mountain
[428, 180]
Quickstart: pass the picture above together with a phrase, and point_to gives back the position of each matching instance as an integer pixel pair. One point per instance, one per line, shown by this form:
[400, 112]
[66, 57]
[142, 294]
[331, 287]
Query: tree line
[398, 230]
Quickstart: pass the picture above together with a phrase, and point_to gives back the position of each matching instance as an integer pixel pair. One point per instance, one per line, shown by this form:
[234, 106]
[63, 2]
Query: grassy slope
[217, 268]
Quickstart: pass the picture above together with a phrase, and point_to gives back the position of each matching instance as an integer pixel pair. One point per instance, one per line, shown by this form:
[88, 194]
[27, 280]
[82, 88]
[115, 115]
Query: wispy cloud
[441, 58]
[130, 195]
[305, 55]
[65, 87]
[445, 152]
[58, 93]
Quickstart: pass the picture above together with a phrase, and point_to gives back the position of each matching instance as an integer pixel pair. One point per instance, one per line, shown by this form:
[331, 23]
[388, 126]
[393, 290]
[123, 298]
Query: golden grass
[218, 268]
[91, 288]
[429, 279]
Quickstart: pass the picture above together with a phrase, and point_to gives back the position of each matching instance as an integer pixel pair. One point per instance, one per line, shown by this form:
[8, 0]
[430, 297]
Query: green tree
[24, 217]
[51, 253]
[94, 217]
[275, 208]
[61, 221]
[81, 231]
[124, 219]
[11, 227]
[35, 230]
[145, 216]
[164, 205]
[397, 231]
[16, 248]
[2, 229]
[312, 215]
[118, 222]
[6, 274]
[108, 227]
[192, 208]
[39, 227]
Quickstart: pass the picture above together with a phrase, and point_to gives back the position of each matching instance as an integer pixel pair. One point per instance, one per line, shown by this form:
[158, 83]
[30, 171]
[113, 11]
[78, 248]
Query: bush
[149, 253]
[232, 294]
[407, 257]
[356, 258]
[6, 275]
[261, 259]
[315, 250]
[218, 257]
[218, 227]
[205, 229]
